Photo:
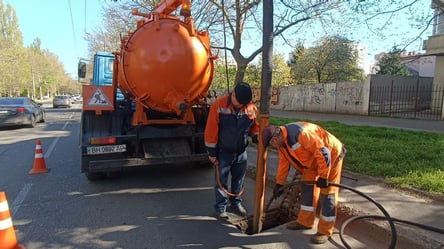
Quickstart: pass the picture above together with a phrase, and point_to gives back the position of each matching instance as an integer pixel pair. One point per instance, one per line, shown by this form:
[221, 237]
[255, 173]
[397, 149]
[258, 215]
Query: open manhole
[274, 216]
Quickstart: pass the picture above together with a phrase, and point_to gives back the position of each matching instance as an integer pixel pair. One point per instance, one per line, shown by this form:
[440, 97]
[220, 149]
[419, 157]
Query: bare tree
[244, 24]
[234, 24]
[118, 20]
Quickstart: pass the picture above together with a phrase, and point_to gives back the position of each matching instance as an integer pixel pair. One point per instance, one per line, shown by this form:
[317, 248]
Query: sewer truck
[147, 103]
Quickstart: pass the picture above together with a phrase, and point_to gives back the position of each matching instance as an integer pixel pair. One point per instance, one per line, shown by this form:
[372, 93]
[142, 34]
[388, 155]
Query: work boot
[221, 215]
[239, 209]
[319, 238]
[294, 225]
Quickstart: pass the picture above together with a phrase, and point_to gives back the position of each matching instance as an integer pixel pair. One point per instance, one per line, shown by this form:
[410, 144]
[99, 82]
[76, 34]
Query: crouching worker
[317, 155]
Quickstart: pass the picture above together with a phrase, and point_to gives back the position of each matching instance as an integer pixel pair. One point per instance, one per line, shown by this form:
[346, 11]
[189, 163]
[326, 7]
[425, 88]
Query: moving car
[20, 111]
[76, 97]
[62, 101]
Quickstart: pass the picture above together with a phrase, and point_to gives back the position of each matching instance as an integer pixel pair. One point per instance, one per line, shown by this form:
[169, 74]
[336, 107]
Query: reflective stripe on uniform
[224, 110]
[328, 218]
[210, 145]
[308, 208]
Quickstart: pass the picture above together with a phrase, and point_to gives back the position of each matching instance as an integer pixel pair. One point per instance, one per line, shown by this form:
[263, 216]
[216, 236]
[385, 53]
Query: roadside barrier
[39, 160]
[8, 240]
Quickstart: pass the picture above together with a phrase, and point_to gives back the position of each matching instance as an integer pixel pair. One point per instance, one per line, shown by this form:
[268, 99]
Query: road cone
[39, 160]
[8, 240]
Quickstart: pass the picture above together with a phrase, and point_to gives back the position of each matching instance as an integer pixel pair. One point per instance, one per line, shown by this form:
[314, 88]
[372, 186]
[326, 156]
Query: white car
[61, 101]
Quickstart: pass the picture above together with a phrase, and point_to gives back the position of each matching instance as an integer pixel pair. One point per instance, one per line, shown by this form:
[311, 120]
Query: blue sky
[50, 20]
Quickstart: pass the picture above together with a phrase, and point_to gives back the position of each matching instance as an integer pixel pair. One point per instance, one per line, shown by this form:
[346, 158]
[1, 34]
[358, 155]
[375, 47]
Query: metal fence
[418, 100]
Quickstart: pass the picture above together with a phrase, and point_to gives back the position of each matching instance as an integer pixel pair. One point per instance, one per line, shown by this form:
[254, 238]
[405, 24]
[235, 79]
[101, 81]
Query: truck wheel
[94, 176]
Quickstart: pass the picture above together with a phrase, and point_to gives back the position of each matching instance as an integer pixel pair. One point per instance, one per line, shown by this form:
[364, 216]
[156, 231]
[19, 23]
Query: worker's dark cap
[243, 93]
[267, 134]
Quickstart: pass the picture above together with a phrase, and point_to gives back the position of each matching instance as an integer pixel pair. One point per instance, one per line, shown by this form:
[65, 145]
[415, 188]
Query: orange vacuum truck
[147, 103]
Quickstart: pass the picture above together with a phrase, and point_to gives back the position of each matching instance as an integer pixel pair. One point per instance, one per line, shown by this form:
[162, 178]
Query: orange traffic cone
[39, 160]
[8, 240]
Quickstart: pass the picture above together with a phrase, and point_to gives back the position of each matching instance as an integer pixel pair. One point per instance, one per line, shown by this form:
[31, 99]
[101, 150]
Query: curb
[377, 230]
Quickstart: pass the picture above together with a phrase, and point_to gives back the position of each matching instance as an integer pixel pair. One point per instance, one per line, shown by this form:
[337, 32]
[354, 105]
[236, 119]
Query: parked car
[62, 101]
[76, 97]
[20, 111]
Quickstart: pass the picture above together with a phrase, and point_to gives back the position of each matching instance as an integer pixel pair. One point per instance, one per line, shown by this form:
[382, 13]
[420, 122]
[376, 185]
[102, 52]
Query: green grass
[405, 159]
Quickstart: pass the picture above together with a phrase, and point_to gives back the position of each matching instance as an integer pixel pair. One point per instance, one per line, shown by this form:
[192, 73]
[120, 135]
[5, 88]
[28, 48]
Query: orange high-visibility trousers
[326, 197]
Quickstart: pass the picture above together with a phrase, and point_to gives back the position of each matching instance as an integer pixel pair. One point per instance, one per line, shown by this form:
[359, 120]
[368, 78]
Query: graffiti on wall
[274, 95]
[351, 95]
[326, 97]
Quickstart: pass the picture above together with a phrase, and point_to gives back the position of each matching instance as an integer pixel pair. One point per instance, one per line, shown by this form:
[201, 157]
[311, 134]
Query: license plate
[106, 149]
[3, 112]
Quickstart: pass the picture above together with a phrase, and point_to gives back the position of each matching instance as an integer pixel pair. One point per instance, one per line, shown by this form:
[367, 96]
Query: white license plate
[93, 150]
[3, 112]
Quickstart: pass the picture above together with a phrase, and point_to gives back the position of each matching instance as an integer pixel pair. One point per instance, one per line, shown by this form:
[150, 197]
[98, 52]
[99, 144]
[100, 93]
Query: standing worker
[231, 120]
[318, 156]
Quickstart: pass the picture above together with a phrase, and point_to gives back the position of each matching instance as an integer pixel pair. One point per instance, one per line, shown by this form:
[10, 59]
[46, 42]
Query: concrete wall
[351, 97]
[346, 97]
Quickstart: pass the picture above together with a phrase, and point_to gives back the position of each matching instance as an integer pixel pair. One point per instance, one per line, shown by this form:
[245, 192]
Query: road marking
[16, 204]
[54, 142]
[20, 198]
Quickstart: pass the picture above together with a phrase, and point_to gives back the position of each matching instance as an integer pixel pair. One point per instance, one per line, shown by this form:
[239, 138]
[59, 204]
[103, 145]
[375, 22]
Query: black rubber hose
[386, 216]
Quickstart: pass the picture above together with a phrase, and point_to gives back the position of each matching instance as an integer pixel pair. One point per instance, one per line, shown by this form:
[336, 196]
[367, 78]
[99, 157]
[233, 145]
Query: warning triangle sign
[99, 99]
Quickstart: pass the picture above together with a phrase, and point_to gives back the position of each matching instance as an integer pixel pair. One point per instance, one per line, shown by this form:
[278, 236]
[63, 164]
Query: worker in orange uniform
[318, 156]
[231, 120]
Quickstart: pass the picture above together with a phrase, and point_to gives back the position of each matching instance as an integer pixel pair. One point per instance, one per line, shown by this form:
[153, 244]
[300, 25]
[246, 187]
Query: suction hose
[386, 216]
[394, 236]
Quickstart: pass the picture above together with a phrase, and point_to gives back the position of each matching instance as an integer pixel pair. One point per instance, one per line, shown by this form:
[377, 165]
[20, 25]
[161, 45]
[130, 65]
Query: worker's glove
[278, 190]
[322, 183]
[254, 139]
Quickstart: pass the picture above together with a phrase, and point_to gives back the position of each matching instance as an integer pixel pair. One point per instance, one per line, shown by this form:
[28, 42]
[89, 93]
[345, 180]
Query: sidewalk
[407, 124]
[401, 205]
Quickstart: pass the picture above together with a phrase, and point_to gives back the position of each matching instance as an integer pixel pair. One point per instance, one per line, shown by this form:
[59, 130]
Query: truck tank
[165, 66]
[163, 71]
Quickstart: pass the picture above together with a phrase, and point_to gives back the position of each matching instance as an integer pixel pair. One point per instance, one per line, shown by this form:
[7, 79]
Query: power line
[84, 28]
[73, 30]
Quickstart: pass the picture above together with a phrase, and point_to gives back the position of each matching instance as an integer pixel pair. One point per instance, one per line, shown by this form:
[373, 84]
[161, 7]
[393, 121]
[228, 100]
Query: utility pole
[264, 115]
[33, 84]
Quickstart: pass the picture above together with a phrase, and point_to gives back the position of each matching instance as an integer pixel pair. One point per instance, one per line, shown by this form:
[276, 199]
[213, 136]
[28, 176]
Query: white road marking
[54, 142]
[16, 204]
[20, 198]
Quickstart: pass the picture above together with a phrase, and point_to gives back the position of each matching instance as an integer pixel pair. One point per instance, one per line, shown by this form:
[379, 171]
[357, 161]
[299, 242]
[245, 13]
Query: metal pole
[33, 85]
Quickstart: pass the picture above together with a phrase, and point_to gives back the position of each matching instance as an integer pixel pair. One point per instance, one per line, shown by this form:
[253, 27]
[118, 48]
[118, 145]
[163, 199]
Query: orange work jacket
[227, 129]
[310, 149]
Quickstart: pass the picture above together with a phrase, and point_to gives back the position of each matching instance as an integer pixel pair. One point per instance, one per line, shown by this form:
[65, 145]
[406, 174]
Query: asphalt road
[157, 207]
